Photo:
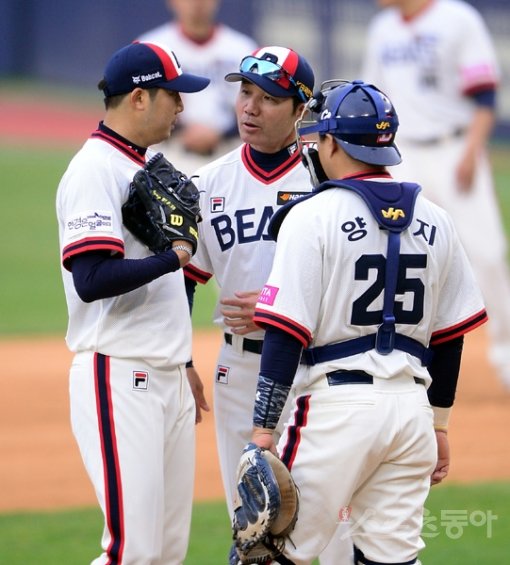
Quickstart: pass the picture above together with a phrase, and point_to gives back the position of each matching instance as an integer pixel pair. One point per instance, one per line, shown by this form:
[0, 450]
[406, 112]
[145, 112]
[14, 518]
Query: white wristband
[183, 248]
[441, 416]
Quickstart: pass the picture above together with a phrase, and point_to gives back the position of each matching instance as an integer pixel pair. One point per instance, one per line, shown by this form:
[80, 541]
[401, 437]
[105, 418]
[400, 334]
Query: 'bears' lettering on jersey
[246, 227]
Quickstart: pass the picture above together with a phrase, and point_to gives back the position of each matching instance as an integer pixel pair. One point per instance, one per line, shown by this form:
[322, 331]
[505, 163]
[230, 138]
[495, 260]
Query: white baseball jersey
[329, 288]
[428, 64]
[89, 200]
[212, 59]
[362, 454]
[237, 200]
[132, 410]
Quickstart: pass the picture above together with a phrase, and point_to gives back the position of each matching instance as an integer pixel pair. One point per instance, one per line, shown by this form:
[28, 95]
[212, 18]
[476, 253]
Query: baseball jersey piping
[111, 466]
[263, 318]
[195, 274]
[264, 176]
[91, 244]
[459, 329]
[294, 431]
[126, 149]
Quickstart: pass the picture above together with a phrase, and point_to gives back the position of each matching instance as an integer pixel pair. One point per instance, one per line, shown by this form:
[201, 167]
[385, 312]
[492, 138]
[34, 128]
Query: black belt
[251, 345]
[344, 377]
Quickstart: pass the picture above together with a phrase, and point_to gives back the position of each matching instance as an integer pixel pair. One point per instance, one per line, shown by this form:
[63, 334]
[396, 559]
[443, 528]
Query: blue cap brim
[185, 83]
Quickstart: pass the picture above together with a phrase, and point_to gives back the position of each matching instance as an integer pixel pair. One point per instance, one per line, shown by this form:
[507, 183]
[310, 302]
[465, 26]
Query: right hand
[239, 312]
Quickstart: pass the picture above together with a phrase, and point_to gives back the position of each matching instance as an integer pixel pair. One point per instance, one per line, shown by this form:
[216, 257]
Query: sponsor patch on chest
[283, 197]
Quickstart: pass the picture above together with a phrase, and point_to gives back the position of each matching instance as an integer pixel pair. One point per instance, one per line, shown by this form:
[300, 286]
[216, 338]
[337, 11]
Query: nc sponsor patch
[222, 374]
[268, 295]
[284, 197]
[217, 204]
[91, 221]
[140, 380]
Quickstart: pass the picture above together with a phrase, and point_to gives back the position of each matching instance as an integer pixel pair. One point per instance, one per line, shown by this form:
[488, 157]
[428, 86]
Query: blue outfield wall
[69, 41]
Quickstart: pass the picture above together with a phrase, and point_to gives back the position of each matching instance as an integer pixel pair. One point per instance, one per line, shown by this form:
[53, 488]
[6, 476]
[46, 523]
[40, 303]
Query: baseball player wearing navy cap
[132, 407]
[439, 65]
[371, 291]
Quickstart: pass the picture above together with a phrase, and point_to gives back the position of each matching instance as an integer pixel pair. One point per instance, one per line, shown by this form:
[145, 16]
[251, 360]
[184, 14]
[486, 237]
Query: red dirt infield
[41, 466]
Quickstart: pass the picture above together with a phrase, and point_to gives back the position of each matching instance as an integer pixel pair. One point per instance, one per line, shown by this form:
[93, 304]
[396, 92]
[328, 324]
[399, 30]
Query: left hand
[239, 311]
[263, 437]
[443, 458]
[197, 388]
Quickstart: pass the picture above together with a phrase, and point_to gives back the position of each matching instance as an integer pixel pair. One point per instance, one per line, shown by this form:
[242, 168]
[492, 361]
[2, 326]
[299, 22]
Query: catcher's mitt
[162, 206]
[265, 507]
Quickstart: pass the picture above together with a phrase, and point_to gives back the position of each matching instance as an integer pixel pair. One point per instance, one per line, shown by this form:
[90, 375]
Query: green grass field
[32, 303]
[468, 525]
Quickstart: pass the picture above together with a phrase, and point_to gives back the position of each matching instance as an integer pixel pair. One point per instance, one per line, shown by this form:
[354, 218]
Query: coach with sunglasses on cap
[239, 194]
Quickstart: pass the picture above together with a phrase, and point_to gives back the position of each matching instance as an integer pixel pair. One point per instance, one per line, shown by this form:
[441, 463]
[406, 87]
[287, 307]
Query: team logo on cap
[146, 78]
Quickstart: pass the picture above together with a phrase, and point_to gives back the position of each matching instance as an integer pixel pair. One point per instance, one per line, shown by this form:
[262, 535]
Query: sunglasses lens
[271, 71]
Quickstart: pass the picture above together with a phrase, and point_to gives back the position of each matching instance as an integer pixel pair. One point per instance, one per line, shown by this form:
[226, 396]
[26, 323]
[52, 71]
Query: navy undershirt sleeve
[98, 275]
[444, 371]
[486, 98]
[281, 353]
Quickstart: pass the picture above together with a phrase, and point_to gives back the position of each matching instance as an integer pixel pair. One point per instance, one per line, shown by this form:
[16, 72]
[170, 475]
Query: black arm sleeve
[97, 275]
[444, 371]
[280, 356]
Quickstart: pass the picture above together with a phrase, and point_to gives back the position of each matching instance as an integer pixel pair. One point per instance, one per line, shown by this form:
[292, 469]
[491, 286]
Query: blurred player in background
[211, 49]
[239, 194]
[436, 61]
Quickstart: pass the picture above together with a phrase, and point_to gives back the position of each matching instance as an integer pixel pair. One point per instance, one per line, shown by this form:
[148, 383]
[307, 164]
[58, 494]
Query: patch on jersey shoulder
[284, 197]
[217, 204]
[91, 220]
[268, 295]
[222, 374]
[140, 380]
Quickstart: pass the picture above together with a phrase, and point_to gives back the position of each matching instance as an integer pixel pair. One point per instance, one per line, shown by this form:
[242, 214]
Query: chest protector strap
[392, 205]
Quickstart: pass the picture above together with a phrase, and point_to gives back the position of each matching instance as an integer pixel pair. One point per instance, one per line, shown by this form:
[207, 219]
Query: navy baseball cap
[148, 65]
[279, 71]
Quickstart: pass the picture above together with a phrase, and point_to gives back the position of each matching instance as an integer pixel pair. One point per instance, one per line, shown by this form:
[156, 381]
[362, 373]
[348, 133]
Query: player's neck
[411, 8]
[198, 32]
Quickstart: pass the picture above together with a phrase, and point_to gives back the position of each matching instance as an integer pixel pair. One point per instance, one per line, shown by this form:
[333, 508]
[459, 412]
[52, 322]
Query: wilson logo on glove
[156, 193]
